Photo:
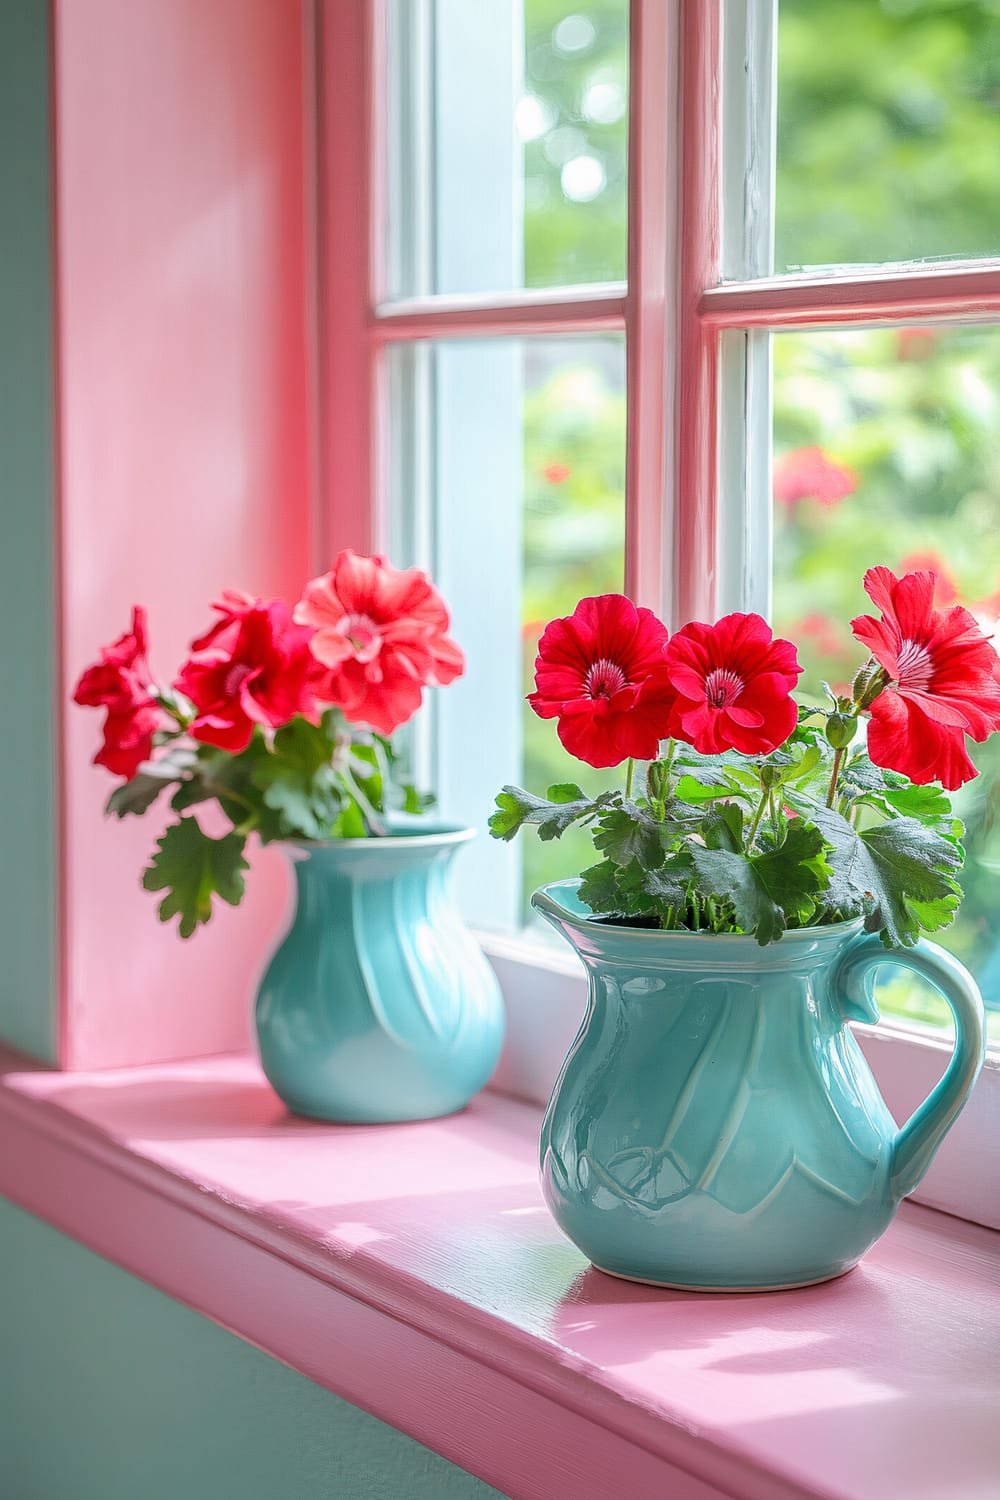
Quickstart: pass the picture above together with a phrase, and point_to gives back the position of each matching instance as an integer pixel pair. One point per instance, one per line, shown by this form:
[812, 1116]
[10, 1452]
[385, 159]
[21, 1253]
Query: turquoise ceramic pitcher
[715, 1125]
[378, 1005]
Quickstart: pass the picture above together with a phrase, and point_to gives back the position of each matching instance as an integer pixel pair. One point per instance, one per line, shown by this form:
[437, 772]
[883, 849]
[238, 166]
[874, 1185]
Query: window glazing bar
[893, 294]
[583, 309]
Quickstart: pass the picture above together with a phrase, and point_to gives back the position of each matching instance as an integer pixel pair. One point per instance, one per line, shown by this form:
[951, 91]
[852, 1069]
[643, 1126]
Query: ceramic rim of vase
[448, 833]
[547, 903]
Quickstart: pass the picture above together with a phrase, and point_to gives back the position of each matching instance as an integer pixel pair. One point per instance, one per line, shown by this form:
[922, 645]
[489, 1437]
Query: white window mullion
[744, 537]
[652, 306]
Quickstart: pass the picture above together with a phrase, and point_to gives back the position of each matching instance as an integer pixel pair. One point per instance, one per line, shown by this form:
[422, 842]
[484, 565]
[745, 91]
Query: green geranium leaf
[805, 766]
[697, 792]
[137, 795]
[601, 889]
[667, 887]
[915, 866]
[516, 808]
[633, 891]
[722, 827]
[932, 916]
[707, 770]
[731, 877]
[930, 804]
[350, 823]
[862, 775]
[192, 868]
[898, 873]
[767, 891]
[740, 777]
[217, 775]
[796, 872]
[628, 833]
[299, 783]
[415, 801]
[566, 791]
[190, 793]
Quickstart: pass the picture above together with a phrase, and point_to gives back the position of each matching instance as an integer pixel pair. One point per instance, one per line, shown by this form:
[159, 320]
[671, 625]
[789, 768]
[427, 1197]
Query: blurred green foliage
[888, 130]
[910, 419]
[576, 79]
[886, 441]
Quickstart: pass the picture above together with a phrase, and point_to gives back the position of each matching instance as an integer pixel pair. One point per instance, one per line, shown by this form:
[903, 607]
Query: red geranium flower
[233, 605]
[600, 673]
[258, 670]
[120, 682]
[810, 474]
[733, 682]
[557, 473]
[944, 680]
[382, 634]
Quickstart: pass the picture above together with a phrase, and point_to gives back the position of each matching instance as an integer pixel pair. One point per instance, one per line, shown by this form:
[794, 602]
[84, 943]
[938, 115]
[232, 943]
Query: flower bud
[841, 729]
[869, 682]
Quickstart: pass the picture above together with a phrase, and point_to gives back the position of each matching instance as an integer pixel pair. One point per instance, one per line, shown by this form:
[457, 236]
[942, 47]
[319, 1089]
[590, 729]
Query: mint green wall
[27, 902]
[111, 1391]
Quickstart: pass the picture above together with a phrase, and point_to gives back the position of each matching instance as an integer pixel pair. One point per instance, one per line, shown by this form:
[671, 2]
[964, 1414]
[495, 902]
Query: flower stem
[371, 816]
[629, 773]
[764, 798]
[838, 758]
[668, 762]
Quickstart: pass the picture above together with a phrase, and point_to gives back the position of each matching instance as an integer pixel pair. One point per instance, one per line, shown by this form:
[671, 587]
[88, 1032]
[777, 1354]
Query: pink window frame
[360, 324]
[672, 311]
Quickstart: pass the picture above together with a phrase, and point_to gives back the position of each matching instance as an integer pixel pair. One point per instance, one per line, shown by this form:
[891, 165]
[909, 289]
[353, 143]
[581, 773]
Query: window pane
[507, 161]
[887, 450]
[888, 142]
[521, 445]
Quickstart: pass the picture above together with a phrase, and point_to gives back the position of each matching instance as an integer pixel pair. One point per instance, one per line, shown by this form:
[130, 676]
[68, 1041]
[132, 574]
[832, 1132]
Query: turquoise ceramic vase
[378, 1005]
[715, 1126]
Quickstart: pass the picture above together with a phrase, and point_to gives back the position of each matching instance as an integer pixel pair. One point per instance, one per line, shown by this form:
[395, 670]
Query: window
[695, 358]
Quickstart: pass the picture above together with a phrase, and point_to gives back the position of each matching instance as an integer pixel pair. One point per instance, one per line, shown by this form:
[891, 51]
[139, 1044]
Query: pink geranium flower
[257, 669]
[120, 682]
[600, 673]
[944, 680]
[381, 634]
[733, 683]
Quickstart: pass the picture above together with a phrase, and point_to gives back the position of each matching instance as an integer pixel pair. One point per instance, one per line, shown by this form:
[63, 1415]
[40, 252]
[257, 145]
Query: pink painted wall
[184, 434]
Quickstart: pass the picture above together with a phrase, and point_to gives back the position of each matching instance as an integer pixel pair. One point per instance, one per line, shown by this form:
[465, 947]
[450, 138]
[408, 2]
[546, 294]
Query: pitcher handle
[924, 1131]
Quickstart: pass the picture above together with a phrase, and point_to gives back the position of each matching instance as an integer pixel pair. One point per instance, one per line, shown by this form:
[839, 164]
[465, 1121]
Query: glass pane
[888, 142]
[887, 450]
[574, 545]
[507, 161]
[523, 451]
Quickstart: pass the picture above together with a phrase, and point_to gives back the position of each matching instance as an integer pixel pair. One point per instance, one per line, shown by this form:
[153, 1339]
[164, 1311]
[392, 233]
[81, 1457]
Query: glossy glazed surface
[715, 1124]
[378, 1005]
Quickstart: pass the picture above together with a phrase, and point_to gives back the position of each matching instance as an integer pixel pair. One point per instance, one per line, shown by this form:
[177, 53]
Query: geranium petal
[913, 606]
[746, 718]
[901, 738]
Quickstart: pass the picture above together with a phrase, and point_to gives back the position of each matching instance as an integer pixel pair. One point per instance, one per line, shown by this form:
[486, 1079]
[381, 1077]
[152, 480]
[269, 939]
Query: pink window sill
[413, 1270]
